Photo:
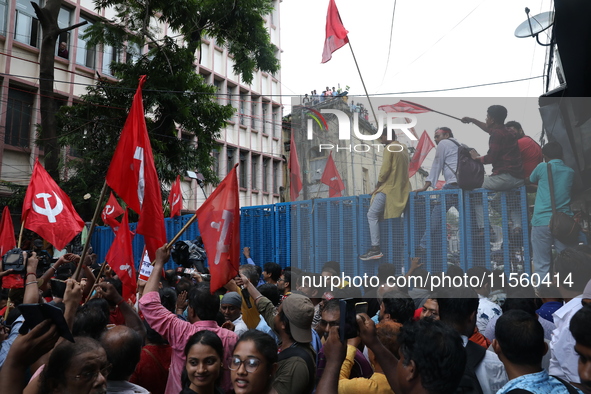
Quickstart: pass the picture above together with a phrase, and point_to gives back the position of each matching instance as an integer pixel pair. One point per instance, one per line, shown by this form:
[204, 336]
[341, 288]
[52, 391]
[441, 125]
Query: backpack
[469, 383]
[470, 172]
[304, 355]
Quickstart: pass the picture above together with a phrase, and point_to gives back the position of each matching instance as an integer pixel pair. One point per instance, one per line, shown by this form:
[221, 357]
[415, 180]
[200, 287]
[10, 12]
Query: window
[3, 8]
[63, 41]
[110, 55]
[254, 172]
[243, 98]
[133, 52]
[219, 87]
[243, 168]
[265, 127]
[27, 25]
[230, 152]
[86, 54]
[276, 177]
[19, 111]
[276, 122]
[266, 169]
[216, 161]
[253, 113]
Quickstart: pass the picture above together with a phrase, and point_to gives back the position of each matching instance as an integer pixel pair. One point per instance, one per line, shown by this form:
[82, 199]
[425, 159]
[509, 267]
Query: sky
[435, 45]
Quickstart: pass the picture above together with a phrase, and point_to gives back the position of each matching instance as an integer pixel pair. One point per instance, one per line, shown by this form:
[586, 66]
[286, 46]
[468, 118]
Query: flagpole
[432, 110]
[363, 83]
[96, 284]
[20, 236]
[97, 210]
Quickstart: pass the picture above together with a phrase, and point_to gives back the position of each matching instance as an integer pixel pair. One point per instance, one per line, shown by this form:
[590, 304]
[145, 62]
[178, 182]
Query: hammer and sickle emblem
[51, 213]
[176, 198]
[222, 247]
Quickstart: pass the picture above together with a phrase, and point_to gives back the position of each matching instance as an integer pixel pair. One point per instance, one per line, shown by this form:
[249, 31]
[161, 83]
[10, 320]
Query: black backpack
[469, 383]
[470, 172]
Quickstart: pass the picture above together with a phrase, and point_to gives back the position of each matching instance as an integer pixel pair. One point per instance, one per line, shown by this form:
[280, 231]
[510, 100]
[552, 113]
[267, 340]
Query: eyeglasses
[250, 364]
[281, 280]
[91, 376]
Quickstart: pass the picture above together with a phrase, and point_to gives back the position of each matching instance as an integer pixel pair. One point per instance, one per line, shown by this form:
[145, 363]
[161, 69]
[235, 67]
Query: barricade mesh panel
[256, 231]
[302, 235]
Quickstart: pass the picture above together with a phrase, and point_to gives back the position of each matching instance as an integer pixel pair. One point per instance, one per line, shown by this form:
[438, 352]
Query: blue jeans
[542, 241]
[375, 213]
[451, 200]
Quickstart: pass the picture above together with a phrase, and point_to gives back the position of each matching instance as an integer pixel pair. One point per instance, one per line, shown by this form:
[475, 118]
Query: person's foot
[373, 253]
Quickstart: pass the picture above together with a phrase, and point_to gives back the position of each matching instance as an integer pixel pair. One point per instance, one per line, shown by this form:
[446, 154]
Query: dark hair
[456, 304]
[287, 276]
[574, 266]
[446, 130]
[273, 269]
[334, 265]
[60, 359]
[117, 283]
[482, 273]
[514, 124]
[399, 306]
[438, 353]
[527, 305]
[204, 304]
[251, 273]
[271, 292]
[552, 150]
[579, 326]
[498, 113]
[263, 343]
[207, 338]
[153, 337]
[184, 284]
[168, 298]
[454, 270]
[333, 305]
[283, 319]
[123, 351]
[91, 318]
[521, 337]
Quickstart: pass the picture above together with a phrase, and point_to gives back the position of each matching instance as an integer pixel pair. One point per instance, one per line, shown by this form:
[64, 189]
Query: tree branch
[60, 31]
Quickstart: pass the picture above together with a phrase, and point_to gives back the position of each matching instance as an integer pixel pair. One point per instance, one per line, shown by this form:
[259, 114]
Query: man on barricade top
[391, 193]
[446, 161]
[531, 151]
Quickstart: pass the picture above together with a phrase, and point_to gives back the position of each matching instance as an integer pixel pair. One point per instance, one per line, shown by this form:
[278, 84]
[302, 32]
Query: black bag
[470, 172]
[562, 226]
[469, 383]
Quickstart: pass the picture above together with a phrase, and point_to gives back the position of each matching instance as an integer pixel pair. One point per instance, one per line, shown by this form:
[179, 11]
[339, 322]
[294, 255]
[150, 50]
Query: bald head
[123, 346]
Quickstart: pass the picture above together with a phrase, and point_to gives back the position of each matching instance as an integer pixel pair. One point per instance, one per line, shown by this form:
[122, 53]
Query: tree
[175, 96]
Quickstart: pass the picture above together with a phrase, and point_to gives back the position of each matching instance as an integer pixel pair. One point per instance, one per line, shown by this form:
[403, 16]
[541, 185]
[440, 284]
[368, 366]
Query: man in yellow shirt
[391, 193]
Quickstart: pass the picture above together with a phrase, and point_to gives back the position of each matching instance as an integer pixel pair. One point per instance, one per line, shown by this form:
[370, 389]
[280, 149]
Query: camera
[14, 260]
[190, 254]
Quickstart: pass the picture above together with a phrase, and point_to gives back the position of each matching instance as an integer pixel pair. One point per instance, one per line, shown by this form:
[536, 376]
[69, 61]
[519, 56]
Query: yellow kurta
[394, 179]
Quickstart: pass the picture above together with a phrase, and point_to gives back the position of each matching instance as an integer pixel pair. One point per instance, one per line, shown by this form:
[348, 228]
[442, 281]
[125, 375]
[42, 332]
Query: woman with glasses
[253, 363]
[203, 366]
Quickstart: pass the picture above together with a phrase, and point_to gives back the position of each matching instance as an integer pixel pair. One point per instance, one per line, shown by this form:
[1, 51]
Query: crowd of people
[270, 331]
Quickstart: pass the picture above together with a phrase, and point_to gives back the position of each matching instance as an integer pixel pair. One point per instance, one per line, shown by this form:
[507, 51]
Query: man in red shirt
[531, 151]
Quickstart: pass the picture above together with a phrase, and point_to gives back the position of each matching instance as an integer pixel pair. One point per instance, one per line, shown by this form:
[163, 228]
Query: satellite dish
[534, 25]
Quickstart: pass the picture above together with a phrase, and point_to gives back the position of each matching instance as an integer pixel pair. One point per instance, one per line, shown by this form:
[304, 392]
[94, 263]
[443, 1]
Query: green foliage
[175, 99]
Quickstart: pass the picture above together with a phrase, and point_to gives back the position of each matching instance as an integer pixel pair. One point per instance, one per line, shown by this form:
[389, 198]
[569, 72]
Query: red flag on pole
[219, 225]
[175, 198]
[336, 34]
[7, 239]
[48, 211]
[295, 180]
[405, 106]
[425, 145]
[132, 175]
[111, 211]
[120, 259]
[332, 179]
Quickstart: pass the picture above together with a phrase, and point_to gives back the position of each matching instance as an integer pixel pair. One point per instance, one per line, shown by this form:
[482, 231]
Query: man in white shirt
[446, 161]
[230, 306]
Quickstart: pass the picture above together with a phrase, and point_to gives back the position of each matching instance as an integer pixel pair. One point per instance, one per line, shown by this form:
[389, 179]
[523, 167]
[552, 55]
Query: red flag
[332, 179]
[219, 225]
[112, 210]
[336, 34]
[412, 129]
[120, 259]
[405, 106]
[175, 198]
[48, 211]
[7, 239]
[425, 145]
[132, 175]
[295, 181]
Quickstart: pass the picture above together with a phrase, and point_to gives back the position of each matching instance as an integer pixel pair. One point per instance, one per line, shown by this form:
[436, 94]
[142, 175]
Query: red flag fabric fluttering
[295, 180]
[175, 198]
[219, 225]
[332, 179]
[336, 34]
[132, 175]
[423, 148]
[48, 211]
[405, 106]
[7, 239]
[111, 211]
[120, 259]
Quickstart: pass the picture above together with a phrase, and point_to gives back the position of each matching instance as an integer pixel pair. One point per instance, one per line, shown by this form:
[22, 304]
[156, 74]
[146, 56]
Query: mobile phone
[348, 324]
[360, 307]
[34, 314]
